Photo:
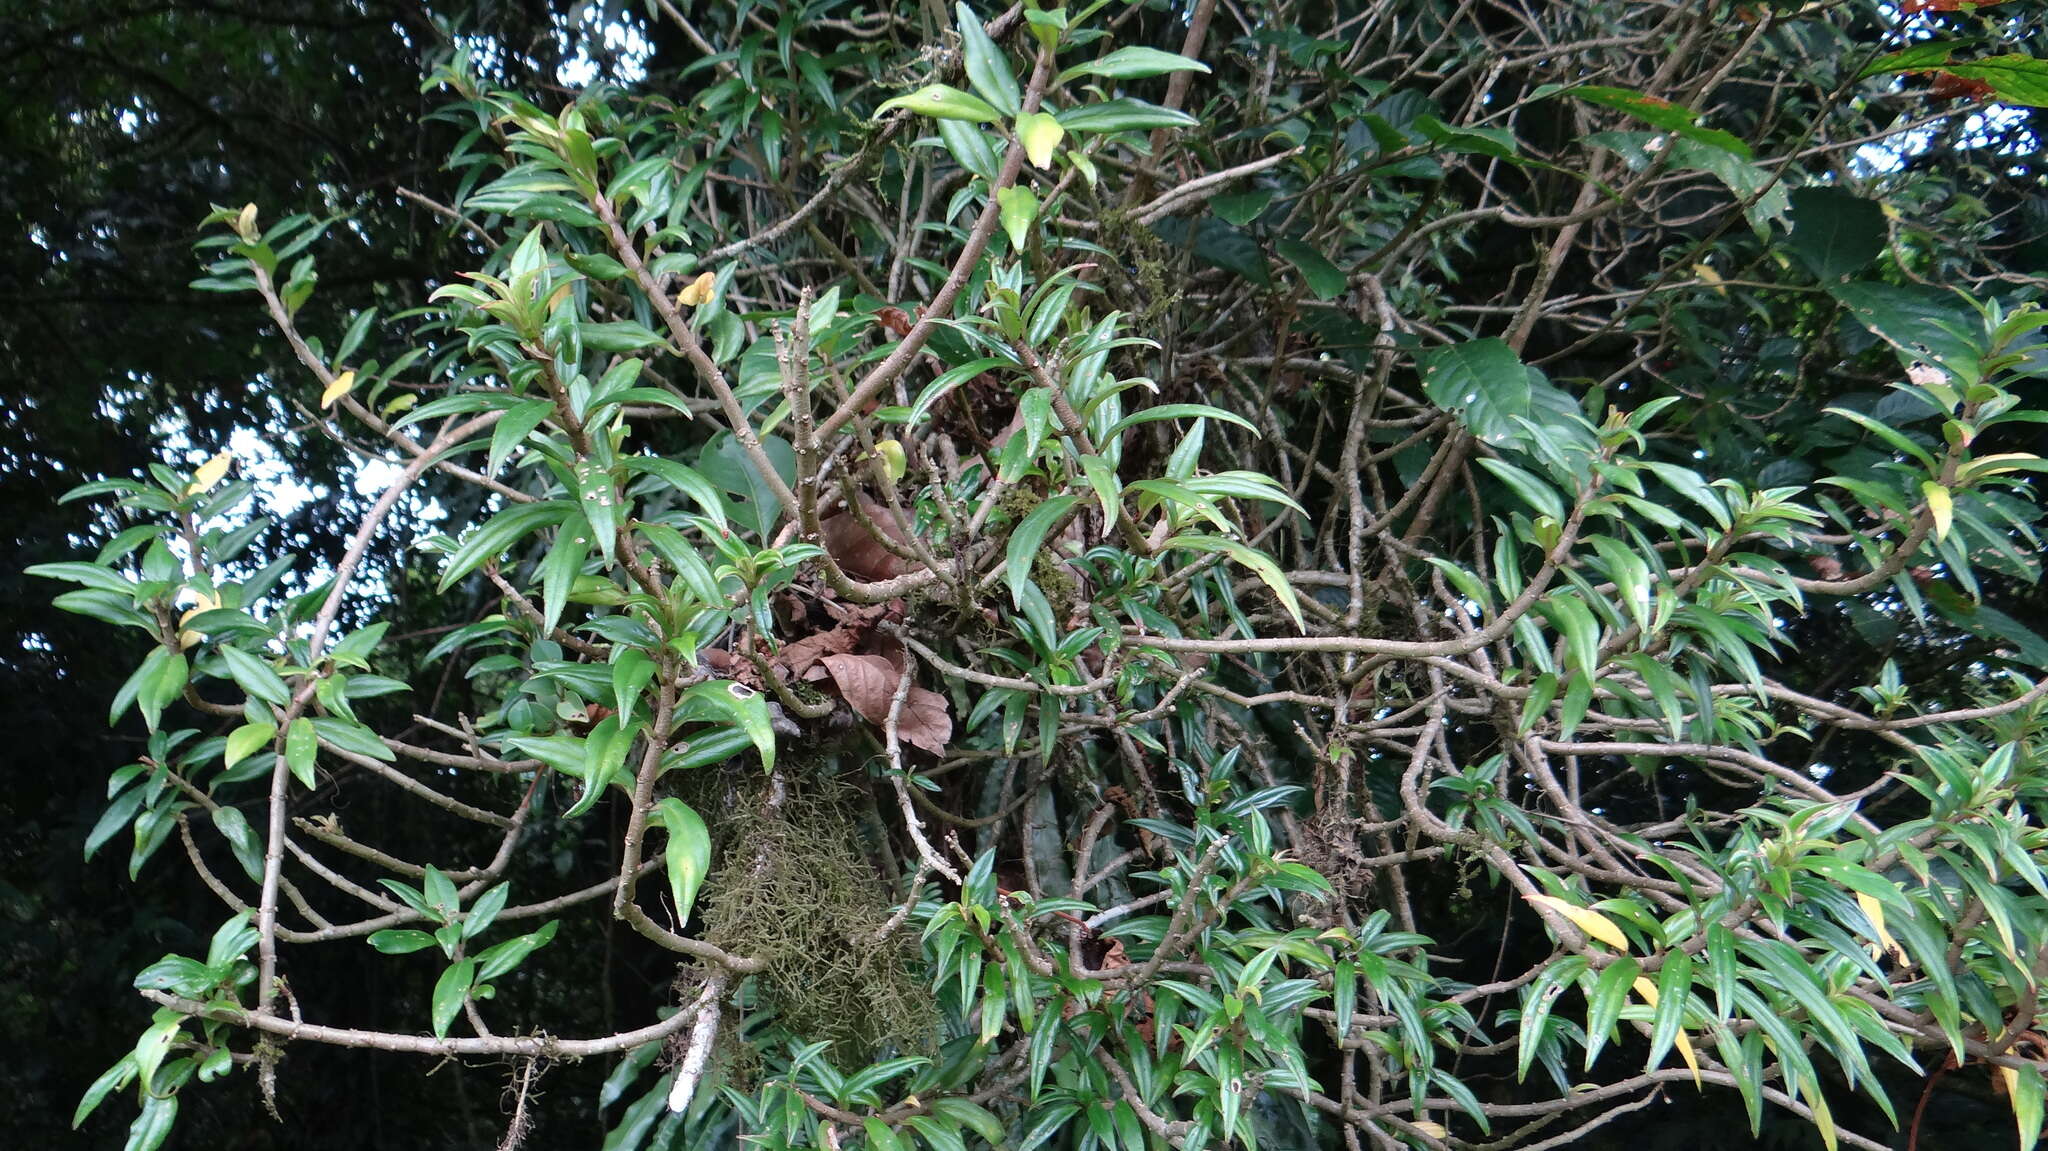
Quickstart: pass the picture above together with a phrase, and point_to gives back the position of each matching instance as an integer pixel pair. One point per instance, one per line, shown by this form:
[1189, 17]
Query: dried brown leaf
[800, 656]
[852, 546]
[927, 721]
[868, 684]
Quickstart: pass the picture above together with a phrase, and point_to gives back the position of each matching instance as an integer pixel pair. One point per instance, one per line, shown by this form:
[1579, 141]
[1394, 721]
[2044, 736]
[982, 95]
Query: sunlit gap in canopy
[595, 44]
[260, 453]
[1998, 127]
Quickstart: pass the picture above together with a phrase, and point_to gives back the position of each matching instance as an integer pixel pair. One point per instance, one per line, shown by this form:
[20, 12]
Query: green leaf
[441, 895]
[1123, 115]
[687, 855]
[1040, 133]
[941, 102]
[969, 146]
[686, 480]
[512, 429]
[1324, 278]
[1134, 63]
[966, 1113]
[451, 991]
[1834, 232]
[1921, 57]
[746, 708]
[153, 1125]
[351, 737]
[256, 677]
[725, 463]
[2014, 79]
[400, 941]
[88, 575]
[246, 741]
[495, 961]
[162, 680]
[2023, 1087]
[559, 569]
[596, 265]
[1675, 118]
[1260, 563]
[1923, 324]
[620, 336]
[111, 1080]
[485, 911]
[154, 1043]
[604, 757]
[987, 69]
[1674, 988]
[1483, 381]
[1603, 1008]
[1242, 208]
[1534, 492]
[598, 500]
[1174, 412]
[1026, 539]
[880, 1137]
[301, 747]
[177, 975]
[1018, 206]
[234, 827]
[499, 533]
[1496, 142]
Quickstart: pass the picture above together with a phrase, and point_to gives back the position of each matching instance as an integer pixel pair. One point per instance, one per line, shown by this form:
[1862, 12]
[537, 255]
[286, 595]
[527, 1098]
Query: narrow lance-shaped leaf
[687, 854]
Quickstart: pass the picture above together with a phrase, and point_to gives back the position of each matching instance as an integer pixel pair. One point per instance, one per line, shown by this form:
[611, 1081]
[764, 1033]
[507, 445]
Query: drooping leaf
[687, 854]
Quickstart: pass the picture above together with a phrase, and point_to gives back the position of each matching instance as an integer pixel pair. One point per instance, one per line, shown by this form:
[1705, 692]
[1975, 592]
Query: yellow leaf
[698, 291]
[1433, 1130]
[210, 473]
[1040, 134]
[1709, 277]
[893, 462]
[1823, 1118]
[1691, 1060]
[202, 601]
[1648, 991]
[1996, 464]
[337, 388]
[1594, 924]
[1874, 911]
[1941, 506]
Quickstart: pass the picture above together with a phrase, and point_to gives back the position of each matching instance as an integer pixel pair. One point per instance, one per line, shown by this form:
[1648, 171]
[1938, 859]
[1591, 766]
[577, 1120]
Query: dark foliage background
[123, 124]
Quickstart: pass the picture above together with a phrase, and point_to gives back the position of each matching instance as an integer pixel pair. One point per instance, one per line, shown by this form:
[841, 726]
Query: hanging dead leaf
[856, 550]
[868, 684]
[927, 721]
[894, 320]
[697, 292]
[800, 656]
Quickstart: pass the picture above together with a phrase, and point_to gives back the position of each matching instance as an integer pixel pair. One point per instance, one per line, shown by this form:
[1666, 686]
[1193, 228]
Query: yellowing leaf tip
[336, 388]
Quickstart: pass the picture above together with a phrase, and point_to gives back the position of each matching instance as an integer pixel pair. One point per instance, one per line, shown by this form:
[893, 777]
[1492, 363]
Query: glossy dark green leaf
[987, 68]
[451, 991]
[1835, 232]
[400, 941]
[301, 748]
